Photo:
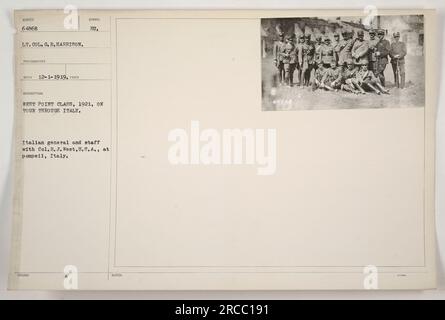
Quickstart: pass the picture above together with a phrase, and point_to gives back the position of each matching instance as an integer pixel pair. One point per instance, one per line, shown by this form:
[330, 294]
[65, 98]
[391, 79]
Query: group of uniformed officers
[347, 63]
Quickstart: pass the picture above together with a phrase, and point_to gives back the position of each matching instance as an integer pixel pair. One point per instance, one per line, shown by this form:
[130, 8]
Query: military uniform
[332, 77]
[383, 48]
[317, 48]
[344, 50]
[348, 78]
[327, 53]
[310, 58]
[336, 45]
[306, 58]
[360, 50]
[372, 53]
[349, 74]
[293, 62]
[367, 79]
[366, 76]
[289, 58]
[277, 48]
[318, 77]
[397, 54]
[319, 73]
[299, 50]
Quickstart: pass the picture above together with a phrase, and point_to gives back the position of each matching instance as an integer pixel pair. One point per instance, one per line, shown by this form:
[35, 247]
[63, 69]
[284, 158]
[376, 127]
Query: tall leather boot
[396, 80]
[402, 80]
[381, 88]
[382, 79]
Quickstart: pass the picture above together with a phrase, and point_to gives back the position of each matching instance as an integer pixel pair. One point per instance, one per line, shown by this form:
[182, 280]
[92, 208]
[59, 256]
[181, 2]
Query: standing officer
[293, 59]
[310, 59]
[327, 53]
[345, 48]
[289, 58]
[397, 54]
[277, 48]
[372, 51]
[306, 59]
[360, 49]
[336, 45]
[299, 49]
[383, 48]
[317, 47]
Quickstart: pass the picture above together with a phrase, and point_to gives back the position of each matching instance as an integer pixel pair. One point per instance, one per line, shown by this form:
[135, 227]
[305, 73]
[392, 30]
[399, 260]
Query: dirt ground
[303, 98]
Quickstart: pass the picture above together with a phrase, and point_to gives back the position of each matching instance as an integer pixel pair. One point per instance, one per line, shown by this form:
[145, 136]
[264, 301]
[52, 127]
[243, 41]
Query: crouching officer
[366, 79]
[348, 78]
[397, 54]
[332, 77]
[318, 77]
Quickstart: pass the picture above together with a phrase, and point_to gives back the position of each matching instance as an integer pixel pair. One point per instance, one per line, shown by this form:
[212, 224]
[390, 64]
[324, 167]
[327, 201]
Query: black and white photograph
[141, 157]
[342, 62]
